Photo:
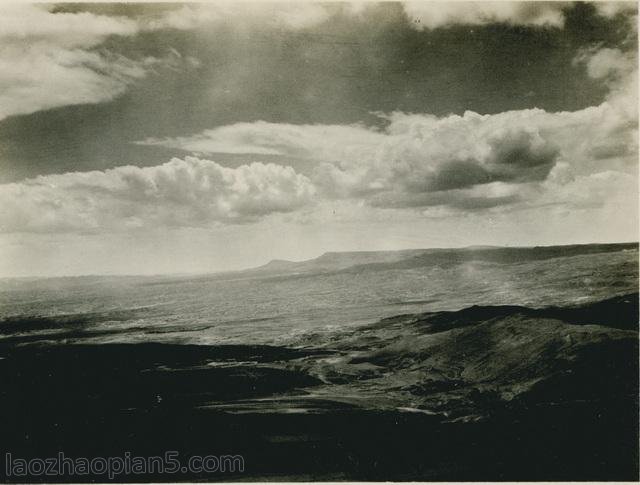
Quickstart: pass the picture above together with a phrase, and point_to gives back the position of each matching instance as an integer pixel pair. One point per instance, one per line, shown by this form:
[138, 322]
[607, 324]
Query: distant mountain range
[355, 261]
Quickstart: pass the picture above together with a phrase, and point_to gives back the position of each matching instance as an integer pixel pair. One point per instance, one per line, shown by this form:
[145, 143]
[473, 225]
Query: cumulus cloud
[607, 62]
[190, 192]
[618, 133]
[619, 71]
[415, 153]
[468, 162]
[608, 187]
[438, 165]
[422, 154]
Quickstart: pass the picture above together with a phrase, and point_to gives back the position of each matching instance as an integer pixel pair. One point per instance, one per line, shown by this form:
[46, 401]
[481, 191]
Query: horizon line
[239, 270]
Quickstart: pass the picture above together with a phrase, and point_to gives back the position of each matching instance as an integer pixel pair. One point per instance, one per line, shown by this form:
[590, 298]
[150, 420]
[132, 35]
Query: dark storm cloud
[463, 200]
[456, 174]
[603, 152]
[513, 157]
[423, 161]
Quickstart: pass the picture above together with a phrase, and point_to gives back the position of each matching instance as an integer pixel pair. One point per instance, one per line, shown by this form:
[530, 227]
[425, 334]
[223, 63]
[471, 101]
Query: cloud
[190, 192]
[29, 24]
[619, 71]
[438, 165]
[420, 160]
[607, 63]
[583, 192]
[45, 61]
[466, 163]
[415, 152]
[287, 15]
[469, 199]
[265, 138]
[618, 132]
[38, 79]
[421, 154]
[432, 15]
[50, 59]
[610, 9]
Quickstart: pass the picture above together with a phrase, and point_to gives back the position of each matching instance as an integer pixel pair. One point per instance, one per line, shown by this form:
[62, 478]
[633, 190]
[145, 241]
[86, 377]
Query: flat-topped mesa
[331, 261]
[274, 263]
[344, 259]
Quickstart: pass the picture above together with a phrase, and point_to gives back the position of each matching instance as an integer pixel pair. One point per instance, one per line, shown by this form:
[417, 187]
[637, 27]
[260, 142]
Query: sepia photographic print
[318, 241]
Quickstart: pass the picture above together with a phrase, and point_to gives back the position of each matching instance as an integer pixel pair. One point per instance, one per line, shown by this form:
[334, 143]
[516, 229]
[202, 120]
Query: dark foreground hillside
[485, 393]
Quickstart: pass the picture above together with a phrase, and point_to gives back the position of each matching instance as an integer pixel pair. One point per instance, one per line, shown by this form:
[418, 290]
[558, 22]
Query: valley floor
[485, 393]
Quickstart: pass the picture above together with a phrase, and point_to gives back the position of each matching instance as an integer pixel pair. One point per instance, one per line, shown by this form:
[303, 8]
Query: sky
[190, 138]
